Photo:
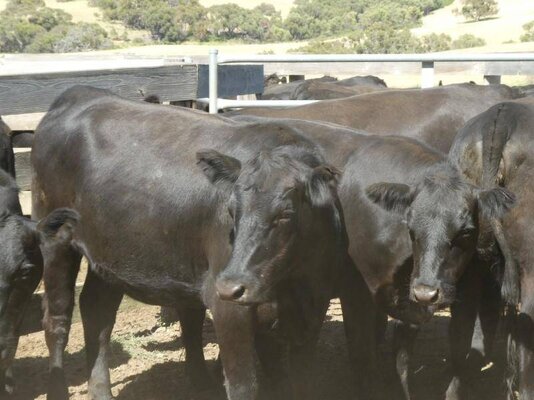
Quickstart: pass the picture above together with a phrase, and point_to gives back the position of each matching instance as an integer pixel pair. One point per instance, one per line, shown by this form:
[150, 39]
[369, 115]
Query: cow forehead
[267, 181]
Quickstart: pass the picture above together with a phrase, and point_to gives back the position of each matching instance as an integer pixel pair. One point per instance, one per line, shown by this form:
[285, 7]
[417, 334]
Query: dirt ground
[148, 361]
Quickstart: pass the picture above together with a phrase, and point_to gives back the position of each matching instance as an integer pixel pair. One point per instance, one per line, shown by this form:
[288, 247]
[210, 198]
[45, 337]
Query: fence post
[427, 74]
[213, 81]
[493, 79]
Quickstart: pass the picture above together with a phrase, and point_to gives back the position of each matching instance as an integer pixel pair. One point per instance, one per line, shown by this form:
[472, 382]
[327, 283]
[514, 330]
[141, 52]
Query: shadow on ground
[162, 376]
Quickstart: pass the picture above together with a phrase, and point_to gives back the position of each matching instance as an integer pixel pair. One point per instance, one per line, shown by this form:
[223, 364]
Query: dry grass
[507, 26]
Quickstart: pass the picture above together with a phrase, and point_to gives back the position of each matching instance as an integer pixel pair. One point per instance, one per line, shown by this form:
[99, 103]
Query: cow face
[441, 214]
[21, 268]
[274, 202]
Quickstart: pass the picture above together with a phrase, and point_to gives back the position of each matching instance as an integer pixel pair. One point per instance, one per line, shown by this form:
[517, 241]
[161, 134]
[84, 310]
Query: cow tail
[493, 144]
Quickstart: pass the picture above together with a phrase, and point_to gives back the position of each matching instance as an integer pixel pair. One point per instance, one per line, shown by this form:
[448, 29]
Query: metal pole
[427, 74]
[213, 81]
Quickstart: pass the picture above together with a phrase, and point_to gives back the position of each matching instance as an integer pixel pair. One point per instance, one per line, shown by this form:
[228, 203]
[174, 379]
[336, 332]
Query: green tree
[16, 34]
[476, 10]
[528, 36]
[391, 15]
[46, 41]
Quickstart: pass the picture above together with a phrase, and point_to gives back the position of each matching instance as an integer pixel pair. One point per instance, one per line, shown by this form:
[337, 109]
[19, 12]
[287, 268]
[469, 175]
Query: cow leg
[463, 317]
[271, 353]
[7, 384]
[191, 323]
[489, 312]
[301, 363]
[61, 265]
[363, 327]
[404, 335]
[235, 330]
[98, 306]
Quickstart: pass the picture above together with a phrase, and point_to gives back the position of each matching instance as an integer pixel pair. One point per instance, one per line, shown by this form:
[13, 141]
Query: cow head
[277, 201]
[21, 268]
[441, 213]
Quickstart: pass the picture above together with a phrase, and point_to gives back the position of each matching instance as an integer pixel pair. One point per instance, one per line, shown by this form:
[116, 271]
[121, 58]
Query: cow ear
[59, 224]
[496, 202]
[220, 169]
[321, 185]
[394, 197]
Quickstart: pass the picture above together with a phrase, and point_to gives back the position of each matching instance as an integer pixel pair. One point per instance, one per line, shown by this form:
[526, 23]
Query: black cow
[423, 187]
[286, 91]
[367, 80]
[432, 115]
[270, 236]
[21, 266]
[496, 149]
[323, 88]
[7, 158]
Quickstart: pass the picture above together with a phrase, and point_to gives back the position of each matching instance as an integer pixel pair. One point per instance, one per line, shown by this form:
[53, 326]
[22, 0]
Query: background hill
[499, 33]
[505, 27]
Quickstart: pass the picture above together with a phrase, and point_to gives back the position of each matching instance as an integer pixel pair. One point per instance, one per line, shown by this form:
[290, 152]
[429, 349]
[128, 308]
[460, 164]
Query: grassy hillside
[81, 11]
[506, 27]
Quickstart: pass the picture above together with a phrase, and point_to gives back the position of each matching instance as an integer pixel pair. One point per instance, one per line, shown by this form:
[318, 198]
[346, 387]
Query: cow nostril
[229, 291]
[239, 291]
[426, 294]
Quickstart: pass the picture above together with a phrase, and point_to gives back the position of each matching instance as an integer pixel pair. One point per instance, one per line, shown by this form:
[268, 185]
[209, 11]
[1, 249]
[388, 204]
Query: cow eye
[462, 235]
[283, 217]
[231, 237]
[24, 272]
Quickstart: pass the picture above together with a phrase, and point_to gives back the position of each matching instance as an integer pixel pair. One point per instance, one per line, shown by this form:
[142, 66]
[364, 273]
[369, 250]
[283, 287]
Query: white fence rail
[427, 69]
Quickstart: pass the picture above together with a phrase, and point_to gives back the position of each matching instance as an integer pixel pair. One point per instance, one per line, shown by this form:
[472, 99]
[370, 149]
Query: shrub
[435, 42]
[466, 41]
[70, 38]
[49, 18]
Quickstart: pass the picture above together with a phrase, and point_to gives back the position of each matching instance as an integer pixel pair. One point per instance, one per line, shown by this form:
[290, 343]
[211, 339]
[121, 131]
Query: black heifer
[7, 158]
[156, 229]
[433, 115]
[427, 198]
[21, 266]
[431, 226]
[496, 149]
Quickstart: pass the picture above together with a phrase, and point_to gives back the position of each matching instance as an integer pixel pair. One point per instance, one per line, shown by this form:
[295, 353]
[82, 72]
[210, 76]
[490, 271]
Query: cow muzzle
[230, 290]
[426, 294]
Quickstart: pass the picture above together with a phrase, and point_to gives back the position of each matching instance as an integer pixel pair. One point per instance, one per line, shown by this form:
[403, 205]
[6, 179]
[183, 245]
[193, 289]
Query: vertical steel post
[427, 74]
[213, 81]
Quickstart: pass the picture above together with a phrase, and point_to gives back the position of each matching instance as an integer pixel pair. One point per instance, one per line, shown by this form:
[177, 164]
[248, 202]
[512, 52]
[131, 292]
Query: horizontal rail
[226, 103]
[427, 57]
